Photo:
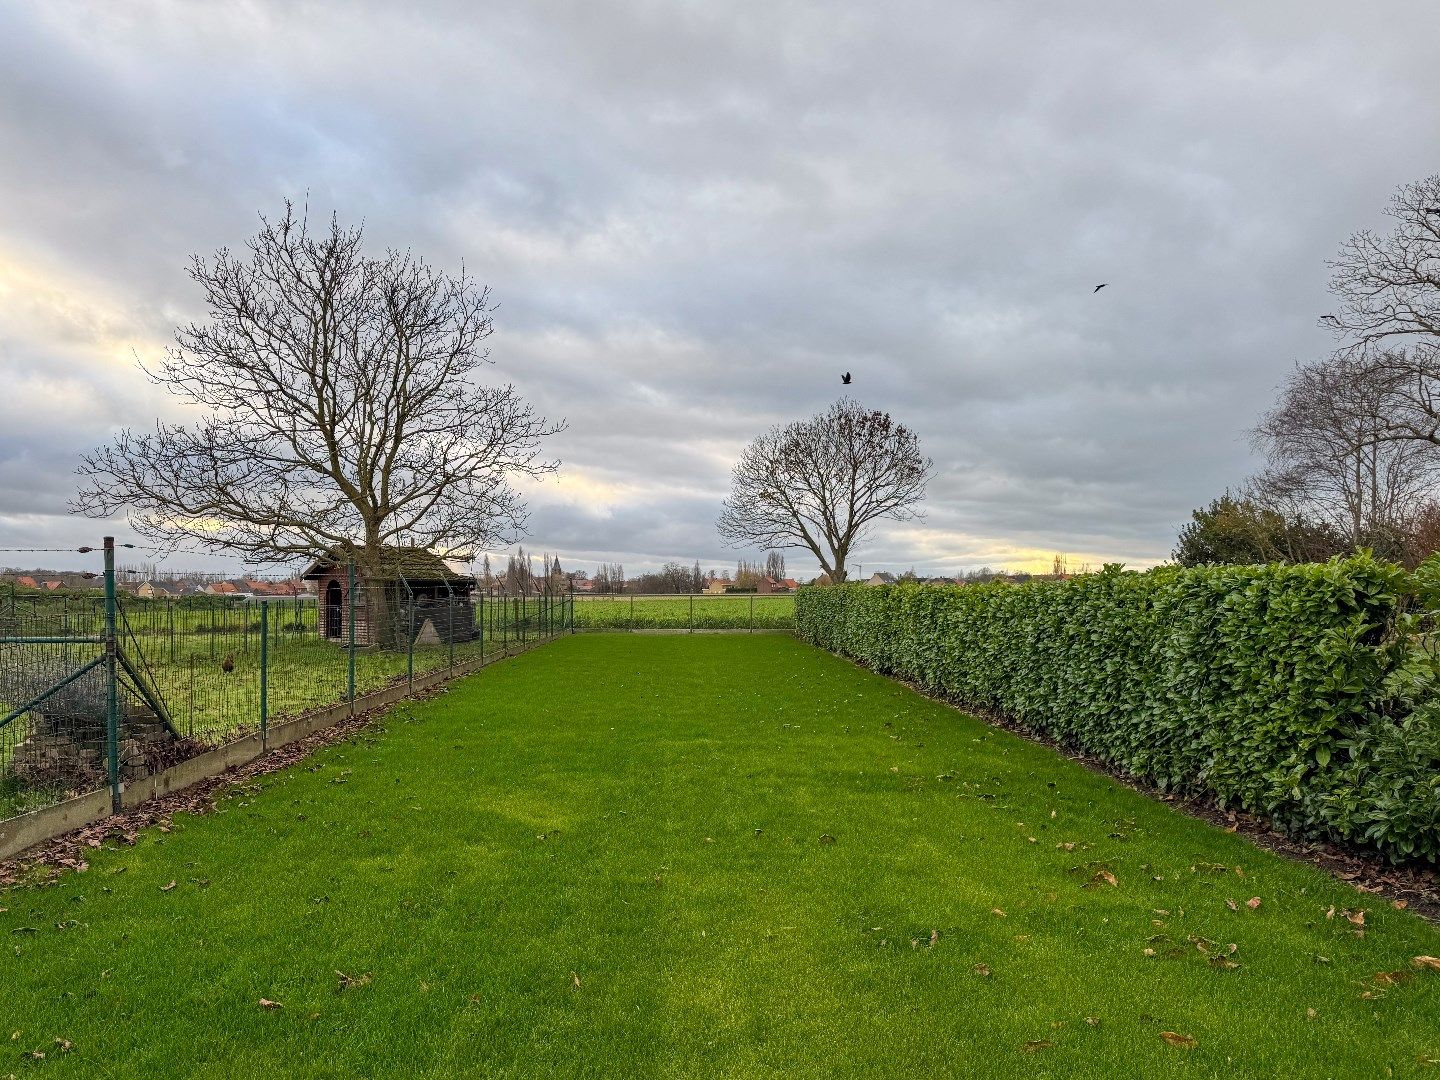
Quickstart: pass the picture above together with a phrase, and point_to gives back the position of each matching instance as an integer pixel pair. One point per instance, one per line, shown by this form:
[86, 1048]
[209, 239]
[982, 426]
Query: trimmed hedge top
[1305, 693]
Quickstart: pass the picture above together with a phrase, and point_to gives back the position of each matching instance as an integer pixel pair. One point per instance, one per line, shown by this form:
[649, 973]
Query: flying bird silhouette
[845, 378]
[1098, 288]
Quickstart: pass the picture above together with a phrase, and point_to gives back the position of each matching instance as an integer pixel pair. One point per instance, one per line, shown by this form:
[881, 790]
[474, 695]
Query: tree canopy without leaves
[339, 410]
[822, 483]
[1330, 457]
[1388, 323]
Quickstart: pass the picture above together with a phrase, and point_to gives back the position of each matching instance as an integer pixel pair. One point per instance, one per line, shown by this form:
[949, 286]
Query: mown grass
[724, 612]
[701, 857]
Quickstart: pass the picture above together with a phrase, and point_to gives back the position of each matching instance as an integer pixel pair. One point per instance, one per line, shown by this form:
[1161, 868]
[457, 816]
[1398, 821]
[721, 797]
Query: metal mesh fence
[195, 671]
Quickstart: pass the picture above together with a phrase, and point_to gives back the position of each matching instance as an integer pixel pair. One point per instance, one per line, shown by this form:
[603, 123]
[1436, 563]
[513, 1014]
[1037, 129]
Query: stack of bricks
[55, 754]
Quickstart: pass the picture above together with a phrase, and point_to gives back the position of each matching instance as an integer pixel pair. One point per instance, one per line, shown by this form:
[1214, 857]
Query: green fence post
[350, 648]
[264, 675]
[112, 690]
[410, 652]
[450, 623]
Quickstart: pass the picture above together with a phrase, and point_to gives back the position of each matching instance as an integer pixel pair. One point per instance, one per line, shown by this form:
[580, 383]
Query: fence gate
[80, 709]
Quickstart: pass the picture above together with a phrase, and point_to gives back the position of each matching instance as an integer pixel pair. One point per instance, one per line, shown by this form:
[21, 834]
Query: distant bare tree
[1333, 458]
[821, 483]
[775, 565]
[339, 411]
[610, 578]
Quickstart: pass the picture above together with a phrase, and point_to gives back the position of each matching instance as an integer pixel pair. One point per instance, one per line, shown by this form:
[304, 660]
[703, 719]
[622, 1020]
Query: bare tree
[775, 565]
[821, 483]
[1388, 323]
[1332, 455]
[339, 411]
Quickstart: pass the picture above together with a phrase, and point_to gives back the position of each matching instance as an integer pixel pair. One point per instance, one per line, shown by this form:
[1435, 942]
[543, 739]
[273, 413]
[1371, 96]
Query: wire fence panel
[53, 690]
[102, 687]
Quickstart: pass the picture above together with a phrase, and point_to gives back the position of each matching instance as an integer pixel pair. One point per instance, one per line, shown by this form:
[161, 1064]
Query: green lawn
[736, 611]
[702, 857]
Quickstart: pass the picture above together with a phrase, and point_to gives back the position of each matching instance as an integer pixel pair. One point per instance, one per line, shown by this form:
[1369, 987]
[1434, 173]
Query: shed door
[333, 619]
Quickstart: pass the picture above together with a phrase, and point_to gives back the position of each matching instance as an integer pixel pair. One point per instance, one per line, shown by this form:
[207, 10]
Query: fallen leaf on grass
[1174, 1038]
[1035, 1045]
[167, 888]
[1390, 978]
[983, 970]
[1431, 962]
[827, 839]
[1107, 877]
[1401, 905]
[352, 982]
[266, 1003]
[1253, 903]
[575, 979]
[1232, 905]
[1093, 1021]
[1356, 918]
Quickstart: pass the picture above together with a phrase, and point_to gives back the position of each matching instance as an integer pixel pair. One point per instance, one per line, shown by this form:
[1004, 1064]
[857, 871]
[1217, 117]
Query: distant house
[222, 588]
[53, 585]
[881, 578]
[148, 590]
[717, 586]
[418, 591]
[582, 585]
[27, 582]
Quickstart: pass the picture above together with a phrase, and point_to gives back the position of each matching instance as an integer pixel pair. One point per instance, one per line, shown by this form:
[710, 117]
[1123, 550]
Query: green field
[698, 857]
[724, 612]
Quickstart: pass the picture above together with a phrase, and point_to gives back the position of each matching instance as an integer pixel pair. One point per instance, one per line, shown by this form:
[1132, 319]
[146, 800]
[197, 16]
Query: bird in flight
[845, 378]
[1099, 287]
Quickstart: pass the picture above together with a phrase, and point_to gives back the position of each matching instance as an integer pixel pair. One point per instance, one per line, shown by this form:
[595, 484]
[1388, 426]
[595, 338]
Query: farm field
[725, 612]
[695, 857]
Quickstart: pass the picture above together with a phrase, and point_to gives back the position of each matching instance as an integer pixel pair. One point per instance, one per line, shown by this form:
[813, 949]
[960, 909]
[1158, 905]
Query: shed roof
[414, 564]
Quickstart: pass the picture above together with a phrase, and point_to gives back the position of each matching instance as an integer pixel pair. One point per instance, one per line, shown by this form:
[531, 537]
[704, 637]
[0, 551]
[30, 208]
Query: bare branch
[340, 410]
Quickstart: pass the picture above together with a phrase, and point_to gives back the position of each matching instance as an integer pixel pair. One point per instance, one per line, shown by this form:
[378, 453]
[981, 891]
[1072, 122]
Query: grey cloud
[696, 216]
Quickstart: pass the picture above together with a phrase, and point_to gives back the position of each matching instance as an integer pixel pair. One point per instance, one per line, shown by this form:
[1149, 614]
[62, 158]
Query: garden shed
[417, 593]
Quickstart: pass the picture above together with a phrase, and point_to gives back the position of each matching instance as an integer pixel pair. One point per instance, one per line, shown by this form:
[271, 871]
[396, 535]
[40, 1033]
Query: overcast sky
[695, 216]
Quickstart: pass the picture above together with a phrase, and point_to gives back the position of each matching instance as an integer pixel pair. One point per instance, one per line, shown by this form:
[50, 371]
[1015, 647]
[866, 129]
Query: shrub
[1302, 693]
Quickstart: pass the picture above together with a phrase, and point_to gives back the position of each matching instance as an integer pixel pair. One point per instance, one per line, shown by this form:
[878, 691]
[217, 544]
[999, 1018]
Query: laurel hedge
[1304, 693]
